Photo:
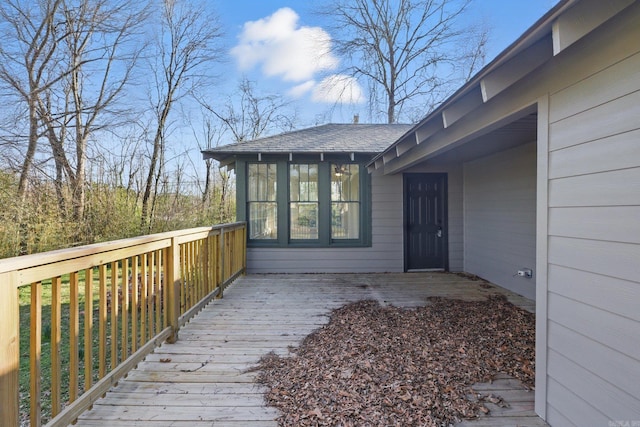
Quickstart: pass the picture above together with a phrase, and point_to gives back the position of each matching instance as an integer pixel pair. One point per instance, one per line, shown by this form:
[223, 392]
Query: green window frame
[262, 204]
[308, 203]
[303, 201]
[345, 202]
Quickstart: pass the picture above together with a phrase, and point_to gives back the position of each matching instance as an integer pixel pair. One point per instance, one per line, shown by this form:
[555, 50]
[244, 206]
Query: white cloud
[283, 48]
[338, 88]
[301, 89]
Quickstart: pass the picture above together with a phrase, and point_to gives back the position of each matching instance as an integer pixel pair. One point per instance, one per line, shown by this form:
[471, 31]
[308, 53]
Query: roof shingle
[329, 138]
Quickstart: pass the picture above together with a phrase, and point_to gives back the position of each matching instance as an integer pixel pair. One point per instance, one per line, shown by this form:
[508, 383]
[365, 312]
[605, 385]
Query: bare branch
[409, 51]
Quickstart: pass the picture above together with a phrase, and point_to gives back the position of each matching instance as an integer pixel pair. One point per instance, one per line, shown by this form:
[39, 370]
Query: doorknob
[439, 232]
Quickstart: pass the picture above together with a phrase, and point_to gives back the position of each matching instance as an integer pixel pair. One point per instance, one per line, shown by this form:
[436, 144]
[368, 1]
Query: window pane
[345, 220]
[303, 201]
[303, 183]
[294, 182]
[263, 220]
[263, 210]
[262, 182]
[304, 220]
[345, 183]
[345, 197]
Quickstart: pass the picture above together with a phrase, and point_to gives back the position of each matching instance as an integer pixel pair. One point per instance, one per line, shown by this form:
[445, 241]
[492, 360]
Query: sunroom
[307, 198]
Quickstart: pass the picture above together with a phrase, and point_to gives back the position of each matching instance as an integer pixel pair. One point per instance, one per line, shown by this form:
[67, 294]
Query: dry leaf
[374, 365]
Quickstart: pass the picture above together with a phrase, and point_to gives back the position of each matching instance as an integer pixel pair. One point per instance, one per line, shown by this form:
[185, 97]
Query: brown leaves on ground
[374, 366]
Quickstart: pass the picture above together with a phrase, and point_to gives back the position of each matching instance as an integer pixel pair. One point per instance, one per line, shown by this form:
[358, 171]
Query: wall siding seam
[592, 107]
[610, 69]
[577, 175]
[589, 239]
[580, 401]
[554, 412]
[579, 392]
[598, 308]
[569, 393]
[595, 140]
[557, 321]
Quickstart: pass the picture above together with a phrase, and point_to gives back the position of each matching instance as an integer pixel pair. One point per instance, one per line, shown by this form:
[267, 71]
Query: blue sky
[291, 66]
[296, 75]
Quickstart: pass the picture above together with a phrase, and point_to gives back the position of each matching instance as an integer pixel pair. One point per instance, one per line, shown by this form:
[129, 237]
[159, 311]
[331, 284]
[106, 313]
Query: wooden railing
[90, 314]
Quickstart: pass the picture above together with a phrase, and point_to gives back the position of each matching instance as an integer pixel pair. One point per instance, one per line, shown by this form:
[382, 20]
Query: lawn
[64, 346]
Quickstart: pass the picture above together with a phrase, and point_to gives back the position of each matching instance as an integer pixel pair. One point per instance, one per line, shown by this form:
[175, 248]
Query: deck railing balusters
[145, 288]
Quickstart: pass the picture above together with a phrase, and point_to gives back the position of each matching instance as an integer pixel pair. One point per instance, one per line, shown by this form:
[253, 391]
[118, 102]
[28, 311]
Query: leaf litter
[388, 366]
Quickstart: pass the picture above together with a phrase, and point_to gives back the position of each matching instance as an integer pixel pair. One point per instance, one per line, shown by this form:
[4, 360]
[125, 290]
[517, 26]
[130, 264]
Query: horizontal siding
[615, 188]
[573, 410]
[607, 223]
[593, 358]
[618, 296]
[605, 397]
[612, 118]
[571, 345]
[613, 259]
[616, 81]
[608, 328]
[500, 217]
[557, 419]
[607, 154]
[384, 255]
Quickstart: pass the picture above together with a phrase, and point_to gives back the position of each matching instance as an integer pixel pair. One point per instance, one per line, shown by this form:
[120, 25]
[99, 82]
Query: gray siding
[384, 255]
[593, 354]
[500, 217]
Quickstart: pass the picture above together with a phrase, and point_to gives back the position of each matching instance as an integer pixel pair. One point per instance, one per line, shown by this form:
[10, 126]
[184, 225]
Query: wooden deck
[202, 380]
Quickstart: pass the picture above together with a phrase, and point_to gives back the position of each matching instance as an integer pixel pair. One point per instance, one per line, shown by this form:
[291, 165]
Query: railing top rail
[41, 259]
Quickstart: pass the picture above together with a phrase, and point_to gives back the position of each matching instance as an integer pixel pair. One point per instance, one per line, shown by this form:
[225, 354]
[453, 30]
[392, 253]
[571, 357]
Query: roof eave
[468, 93]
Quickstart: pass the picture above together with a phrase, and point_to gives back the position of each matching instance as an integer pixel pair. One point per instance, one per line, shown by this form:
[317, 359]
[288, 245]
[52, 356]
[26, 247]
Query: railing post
[173, 281]
[9, 349]
[244, 248]
[221, 252]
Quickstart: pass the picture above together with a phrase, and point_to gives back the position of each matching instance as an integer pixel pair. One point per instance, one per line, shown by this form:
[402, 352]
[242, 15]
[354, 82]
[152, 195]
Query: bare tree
[101, 47]
[250, 115]
[28, 65]
[187, 43]
[29, 58]
[247, 116]
[406, 50]
[208, 136]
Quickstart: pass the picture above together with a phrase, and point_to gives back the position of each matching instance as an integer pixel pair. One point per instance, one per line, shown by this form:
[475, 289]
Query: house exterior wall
[384, 255]
[500, 218]
[593, 299]
[587, 212]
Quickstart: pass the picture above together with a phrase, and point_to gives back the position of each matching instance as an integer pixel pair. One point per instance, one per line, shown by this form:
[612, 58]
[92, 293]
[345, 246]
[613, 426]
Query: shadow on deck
[203, 380]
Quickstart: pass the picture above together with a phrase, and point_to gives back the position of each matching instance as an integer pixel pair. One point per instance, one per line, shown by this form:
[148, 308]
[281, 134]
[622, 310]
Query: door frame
[445, 214]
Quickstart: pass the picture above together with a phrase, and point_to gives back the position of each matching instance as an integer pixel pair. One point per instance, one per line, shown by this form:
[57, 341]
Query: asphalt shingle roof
[329, 138]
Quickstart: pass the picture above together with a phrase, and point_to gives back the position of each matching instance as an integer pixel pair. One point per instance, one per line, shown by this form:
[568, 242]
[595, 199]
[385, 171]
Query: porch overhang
[486, 111]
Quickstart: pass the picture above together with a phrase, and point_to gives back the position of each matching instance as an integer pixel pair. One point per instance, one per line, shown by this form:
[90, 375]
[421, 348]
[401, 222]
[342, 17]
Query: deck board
[205, 378]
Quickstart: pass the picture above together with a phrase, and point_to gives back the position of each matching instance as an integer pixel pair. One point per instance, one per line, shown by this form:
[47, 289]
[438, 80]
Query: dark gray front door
[425, 221]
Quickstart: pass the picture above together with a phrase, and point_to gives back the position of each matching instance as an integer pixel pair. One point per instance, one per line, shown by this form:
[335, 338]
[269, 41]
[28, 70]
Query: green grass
[25, 322]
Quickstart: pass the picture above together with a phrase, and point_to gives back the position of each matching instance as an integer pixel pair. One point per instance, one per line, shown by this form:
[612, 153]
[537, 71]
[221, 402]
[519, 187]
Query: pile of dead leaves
[374, 365]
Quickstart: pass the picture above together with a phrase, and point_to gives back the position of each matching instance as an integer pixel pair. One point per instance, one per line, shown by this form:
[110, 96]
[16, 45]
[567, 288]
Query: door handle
[439, 232]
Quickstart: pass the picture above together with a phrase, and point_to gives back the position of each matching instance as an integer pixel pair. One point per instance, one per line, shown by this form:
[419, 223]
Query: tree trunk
[23, 226]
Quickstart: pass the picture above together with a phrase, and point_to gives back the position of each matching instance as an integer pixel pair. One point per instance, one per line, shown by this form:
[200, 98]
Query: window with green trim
[307, 203]
[345, 201]
[262, 201]
[303, 201]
